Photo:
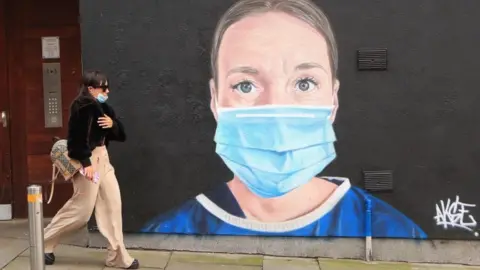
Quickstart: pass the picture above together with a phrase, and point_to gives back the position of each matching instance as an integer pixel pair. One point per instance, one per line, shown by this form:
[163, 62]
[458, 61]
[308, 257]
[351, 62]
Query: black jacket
[83, 118]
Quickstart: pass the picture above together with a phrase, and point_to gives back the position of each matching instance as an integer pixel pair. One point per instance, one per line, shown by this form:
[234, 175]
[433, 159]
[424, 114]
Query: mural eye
[245, 87]
[305, 85]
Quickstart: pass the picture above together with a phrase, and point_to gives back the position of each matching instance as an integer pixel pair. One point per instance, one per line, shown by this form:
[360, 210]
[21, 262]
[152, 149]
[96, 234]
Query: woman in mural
[274, 96]
[92, 125]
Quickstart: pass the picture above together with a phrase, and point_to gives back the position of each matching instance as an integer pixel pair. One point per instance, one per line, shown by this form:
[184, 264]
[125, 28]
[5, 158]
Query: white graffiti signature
[453, 214]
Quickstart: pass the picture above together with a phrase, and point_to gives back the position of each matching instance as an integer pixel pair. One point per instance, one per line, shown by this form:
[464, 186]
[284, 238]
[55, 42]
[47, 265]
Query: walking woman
[91, 126]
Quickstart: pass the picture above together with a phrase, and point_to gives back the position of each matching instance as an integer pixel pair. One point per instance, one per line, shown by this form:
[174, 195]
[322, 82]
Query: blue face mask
[275, 149]
[102, 98]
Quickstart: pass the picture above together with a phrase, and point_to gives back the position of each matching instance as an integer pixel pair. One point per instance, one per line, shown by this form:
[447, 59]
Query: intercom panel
[52, 95]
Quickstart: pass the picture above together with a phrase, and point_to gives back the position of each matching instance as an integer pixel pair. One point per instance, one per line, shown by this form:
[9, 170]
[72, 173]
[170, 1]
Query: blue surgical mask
[275, 149]
[102, 98]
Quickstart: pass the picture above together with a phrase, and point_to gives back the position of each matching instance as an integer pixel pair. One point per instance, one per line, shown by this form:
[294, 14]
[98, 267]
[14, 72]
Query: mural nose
[279, 96]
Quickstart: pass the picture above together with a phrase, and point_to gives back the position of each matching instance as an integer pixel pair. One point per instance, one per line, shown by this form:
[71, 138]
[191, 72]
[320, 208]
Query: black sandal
[50, 259]
[135, 264]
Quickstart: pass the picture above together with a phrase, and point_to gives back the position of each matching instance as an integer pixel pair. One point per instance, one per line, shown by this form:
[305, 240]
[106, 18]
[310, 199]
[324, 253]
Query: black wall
[420, 118]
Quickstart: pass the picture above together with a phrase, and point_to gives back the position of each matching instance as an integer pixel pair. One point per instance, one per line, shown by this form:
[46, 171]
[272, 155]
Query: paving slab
[72, 257]
[151, 259]
[215, 258]
[10, 249]
[279, 263]
[18, 228]
[14, 229]
[141, 268]
[441, 267]
[329, 264]
[74, 252]
[175, 265]
[23, 263]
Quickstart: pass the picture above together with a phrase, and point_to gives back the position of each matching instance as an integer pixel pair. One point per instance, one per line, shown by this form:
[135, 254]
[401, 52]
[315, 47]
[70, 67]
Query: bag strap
[55, 173]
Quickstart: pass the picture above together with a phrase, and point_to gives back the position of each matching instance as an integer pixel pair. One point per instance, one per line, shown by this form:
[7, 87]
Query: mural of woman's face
[273, 58]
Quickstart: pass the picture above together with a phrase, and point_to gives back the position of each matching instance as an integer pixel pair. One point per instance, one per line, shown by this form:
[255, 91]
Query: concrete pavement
[14, 255]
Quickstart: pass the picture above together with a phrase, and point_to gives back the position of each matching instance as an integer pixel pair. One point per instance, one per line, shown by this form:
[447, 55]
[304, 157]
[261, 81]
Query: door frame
[6, 181]
[20, 32]
[14, 32]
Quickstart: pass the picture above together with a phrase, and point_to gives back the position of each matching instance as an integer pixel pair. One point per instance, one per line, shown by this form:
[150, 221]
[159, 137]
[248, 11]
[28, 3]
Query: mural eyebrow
[244, 69]
[310, 65]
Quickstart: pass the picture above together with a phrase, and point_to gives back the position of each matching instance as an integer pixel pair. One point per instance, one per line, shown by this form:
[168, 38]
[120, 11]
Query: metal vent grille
[372, 59]
[378, 180]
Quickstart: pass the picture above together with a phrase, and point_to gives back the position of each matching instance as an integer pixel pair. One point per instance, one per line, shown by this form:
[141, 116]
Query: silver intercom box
[52, 95]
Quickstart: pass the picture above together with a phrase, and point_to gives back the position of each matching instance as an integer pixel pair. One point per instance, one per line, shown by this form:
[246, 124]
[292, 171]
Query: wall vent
[378, 180]
[372, 59]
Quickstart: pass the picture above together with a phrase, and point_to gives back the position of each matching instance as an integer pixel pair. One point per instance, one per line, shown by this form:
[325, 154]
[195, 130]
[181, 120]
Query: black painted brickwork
[420, 118]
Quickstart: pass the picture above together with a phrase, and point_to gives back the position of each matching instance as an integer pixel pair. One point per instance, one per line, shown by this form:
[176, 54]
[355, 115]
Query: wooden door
[5, 157]
[30, 21]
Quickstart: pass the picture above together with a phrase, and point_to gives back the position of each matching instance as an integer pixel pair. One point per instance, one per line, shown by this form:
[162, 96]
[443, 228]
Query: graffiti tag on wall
[455, 214]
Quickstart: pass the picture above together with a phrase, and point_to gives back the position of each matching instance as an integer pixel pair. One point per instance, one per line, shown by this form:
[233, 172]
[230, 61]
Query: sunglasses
[103, 87]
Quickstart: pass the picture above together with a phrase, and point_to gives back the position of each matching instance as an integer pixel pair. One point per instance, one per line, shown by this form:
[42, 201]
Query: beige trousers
[104, 196]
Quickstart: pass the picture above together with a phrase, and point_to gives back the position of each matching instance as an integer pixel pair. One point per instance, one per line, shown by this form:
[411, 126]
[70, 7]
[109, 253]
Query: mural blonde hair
[304, 10]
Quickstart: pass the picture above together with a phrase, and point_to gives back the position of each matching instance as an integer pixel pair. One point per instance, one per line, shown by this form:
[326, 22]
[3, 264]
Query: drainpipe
[368, 230]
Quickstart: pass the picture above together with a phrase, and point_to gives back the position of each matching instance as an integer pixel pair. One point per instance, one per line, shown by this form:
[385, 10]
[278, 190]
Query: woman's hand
[88, 171]
[105, 121]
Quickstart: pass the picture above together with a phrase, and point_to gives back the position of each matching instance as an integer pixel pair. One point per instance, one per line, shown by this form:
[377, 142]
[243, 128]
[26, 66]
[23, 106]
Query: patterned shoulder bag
[62, 163]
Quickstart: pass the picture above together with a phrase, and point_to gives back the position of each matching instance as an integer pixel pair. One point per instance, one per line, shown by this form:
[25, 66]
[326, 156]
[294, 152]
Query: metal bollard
[35, 224]
[368, 230]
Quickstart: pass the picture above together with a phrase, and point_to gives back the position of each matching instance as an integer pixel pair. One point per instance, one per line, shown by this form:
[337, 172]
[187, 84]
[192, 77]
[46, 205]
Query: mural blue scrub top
[341, 215]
